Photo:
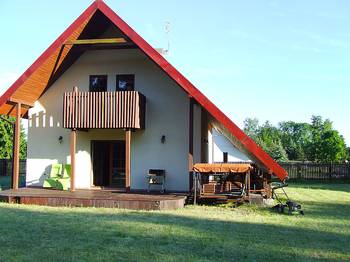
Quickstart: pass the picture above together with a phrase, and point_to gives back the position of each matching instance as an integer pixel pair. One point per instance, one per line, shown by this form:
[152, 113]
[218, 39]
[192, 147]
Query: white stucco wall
[197, 139]
[218, 144]
[167, 114]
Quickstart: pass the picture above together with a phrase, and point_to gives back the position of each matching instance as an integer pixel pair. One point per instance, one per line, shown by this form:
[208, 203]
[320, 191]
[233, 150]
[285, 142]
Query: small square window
[98, 83]
[125, 83]
[225, 156]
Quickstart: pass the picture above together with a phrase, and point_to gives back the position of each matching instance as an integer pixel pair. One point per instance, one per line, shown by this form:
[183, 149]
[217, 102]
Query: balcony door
[108, 158]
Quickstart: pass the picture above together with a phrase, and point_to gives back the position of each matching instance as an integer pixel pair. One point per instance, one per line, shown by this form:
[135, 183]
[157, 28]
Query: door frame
[110, 142]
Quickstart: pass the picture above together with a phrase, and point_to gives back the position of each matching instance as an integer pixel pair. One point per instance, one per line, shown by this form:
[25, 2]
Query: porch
[104, 110]
[93, 198]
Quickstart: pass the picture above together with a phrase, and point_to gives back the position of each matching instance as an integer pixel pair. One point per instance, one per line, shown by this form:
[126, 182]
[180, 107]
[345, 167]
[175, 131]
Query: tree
[296, 137]
[267, 137]
[6, 139]
[251, 127]
[327, 144]
[294, 141]
[332, 147]
[270, 140]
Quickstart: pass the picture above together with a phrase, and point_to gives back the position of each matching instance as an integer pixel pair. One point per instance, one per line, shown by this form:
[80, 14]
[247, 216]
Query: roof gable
[58, 57]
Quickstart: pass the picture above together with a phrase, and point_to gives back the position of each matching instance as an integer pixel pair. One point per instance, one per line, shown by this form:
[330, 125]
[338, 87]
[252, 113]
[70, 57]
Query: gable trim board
[242, 140]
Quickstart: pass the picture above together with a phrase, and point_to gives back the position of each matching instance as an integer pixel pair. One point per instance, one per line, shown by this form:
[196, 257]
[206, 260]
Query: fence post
[299, 171]
[330, 171]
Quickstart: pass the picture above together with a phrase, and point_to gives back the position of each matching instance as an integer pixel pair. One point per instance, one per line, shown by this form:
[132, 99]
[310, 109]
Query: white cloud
[6, 80]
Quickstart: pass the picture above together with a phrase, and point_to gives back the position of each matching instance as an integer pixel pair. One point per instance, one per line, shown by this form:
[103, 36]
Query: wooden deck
[92, 198]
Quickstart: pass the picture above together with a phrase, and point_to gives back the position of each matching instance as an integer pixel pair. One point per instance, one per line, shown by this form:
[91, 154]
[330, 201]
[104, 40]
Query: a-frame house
[103, 100]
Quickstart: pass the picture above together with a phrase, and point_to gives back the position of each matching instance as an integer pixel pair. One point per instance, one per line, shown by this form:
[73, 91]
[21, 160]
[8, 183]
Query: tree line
[317, 141]
[6, 139]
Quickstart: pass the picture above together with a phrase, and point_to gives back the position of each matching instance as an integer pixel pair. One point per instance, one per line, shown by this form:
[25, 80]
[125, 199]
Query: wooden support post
[264, 179]
[190, 143]
[195, 182]
[248, 183]
[127, 160]
[13, 149]
[73, 149]
[73, 143]
[17, 135]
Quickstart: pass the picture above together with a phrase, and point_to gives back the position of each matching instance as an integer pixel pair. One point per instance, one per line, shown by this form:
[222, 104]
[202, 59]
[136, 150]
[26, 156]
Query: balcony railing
[123, 109]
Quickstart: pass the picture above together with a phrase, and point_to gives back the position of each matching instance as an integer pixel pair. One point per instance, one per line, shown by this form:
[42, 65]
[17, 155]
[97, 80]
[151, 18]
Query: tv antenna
[167, 28]
[165, 51]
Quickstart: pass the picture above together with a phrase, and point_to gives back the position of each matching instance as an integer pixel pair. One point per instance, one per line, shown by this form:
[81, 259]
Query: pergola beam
[96, 41]
[127, 45]
[24, 103]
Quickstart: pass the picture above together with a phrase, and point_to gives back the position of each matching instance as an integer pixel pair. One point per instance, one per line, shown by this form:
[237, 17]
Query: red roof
[247, 143]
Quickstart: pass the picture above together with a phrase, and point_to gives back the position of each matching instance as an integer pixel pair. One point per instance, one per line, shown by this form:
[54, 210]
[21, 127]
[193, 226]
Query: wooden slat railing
[121, 109]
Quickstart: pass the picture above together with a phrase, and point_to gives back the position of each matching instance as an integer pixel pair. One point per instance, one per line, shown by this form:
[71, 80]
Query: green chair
[64, 181]
[57, 180]
[66, 171]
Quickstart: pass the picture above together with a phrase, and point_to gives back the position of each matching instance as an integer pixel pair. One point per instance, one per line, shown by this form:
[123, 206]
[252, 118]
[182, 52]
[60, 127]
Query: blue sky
[274, 60]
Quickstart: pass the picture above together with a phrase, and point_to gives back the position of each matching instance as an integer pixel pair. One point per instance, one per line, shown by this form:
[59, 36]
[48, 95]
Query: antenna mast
[167, 29]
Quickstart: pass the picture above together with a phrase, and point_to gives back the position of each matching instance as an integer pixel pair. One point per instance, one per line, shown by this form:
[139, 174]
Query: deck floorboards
[93, 198]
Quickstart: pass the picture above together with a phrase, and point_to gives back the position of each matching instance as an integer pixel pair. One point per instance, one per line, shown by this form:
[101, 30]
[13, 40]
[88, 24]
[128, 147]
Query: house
[103, 100]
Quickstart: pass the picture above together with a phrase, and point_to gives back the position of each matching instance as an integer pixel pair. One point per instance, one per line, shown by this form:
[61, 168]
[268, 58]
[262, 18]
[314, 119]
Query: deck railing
[121, 109]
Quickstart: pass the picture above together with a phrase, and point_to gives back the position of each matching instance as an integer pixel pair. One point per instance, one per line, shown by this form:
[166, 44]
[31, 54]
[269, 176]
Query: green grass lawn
[201, 233]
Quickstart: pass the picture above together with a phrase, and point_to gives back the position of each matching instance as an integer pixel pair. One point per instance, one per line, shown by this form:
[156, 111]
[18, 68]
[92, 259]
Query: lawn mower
[290, 206]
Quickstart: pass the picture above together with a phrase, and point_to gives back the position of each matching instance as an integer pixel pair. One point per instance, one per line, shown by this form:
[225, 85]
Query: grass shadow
[82, 234]
[343, 185]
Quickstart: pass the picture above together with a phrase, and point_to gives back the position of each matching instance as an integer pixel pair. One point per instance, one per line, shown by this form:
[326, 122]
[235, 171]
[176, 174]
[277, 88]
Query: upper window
[98, 83]
[225, 157]
[125, 82]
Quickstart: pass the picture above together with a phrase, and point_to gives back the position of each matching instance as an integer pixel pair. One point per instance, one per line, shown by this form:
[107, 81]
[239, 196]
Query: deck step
[92, 198]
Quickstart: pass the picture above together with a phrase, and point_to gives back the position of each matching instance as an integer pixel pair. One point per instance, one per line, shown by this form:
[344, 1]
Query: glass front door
[118, 164]
[109, 163]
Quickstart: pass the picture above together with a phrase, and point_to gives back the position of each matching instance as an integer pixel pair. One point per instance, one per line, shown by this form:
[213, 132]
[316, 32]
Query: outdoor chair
[57, 179]
[237, 189]
[156, 177]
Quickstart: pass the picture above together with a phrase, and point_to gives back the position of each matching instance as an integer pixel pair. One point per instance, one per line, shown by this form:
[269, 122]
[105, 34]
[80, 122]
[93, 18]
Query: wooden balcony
[122, 109]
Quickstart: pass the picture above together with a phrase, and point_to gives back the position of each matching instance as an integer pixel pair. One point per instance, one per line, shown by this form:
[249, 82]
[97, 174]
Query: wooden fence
[6, 167]
[317, 171]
